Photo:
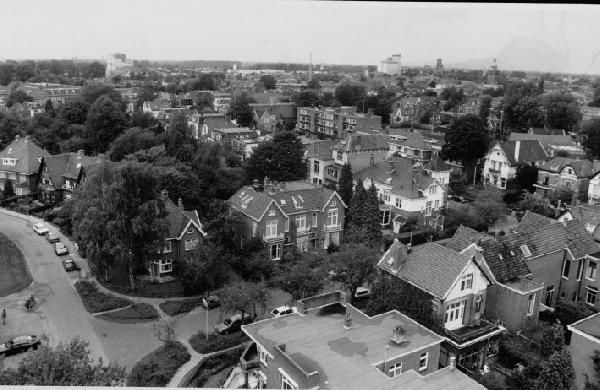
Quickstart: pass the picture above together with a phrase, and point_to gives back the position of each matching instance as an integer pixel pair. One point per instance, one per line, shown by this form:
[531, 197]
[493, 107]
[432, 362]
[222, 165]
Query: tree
[144, 120]
[281, 159]
[466, 140]
[204, 272]
[557, 372]
[488, 207]
[363, 217]
[596, 100]
[526, 177]
[92, 91]
[562, 111]
[301, 278]
[354, 265]
[244, 298]
[74, 112]
[345, 185]
[179, 142]
[8, 189]
[453, 96]
[17, 96]
[268, 81]
[240, 110]
[456, 183]
[522, 107]
[589, 385]
[484, 108]
[351, 95]
[313, 84]
[590, 135]
[306, 99]
[131, 141]
[69, 364]
[105, 122]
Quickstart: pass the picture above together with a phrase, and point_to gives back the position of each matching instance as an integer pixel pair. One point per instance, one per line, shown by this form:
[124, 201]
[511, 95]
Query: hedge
[158, 367]
[216, 342]
[96, 301]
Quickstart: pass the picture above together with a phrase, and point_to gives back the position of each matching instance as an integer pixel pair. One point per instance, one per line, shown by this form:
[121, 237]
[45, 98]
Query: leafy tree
[350, 94]
[8, 189]
[179, 142]
[17, 96]
[345, 185]
[306, 99]
[589, 385]
[456, 183]
[590, 135]
[74, 112]
[527, 176]
[145, 94]
[488, 206]
[105, 121]
[144, 120]
[204, 272]
[281, 159]
[268, 81]
[301, 278]
[466, 140]
[363, 217]
[69, 364]
[522, 107]
[354, 265]
[94, 69]
[557, 372]
[562, 111]
[596, 100]
[244, 297]
[49, 107]
[484, 108]
[240, 109]
[313, 84]
[91, 92]
[131, 141]
[453, 96]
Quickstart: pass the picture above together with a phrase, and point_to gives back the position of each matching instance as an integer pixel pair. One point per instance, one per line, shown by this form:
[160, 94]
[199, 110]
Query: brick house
[320, 161]
[226, 136]
[20, 163]
[584, 344]
[562, 173]
[311, 217]
[502, 160]
[330, 344]
[458, 287]
[62, 173]
[185, 233]
[413, 144]
[405, 190]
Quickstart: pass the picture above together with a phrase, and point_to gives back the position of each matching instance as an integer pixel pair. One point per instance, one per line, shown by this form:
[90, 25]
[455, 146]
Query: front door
[454, 315]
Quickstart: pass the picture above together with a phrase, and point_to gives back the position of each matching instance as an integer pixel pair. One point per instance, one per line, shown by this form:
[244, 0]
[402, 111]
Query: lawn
[138, 312]
[119, 282]
[158, 367]
[96, 301]
[172, 308]
[14, 275]
[216, 342]
[213, 371]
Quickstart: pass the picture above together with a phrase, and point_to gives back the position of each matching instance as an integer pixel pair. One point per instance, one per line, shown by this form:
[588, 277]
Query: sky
[289, 30]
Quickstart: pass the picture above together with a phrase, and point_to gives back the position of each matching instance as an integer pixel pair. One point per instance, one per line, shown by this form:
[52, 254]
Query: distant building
[491, 76]
[226, 136]
[117, 64]
[439, 68]
[413, 144]
[56, 93]
[391, 66]
[336, 122]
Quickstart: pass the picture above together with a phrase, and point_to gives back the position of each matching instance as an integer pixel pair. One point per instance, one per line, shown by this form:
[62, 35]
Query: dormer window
[525, 250]
[11, 162]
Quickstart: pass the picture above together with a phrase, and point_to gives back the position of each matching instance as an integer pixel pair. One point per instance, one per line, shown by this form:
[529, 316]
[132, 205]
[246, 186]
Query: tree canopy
[562, 111]
[268, 81]
[240, 110]
[105, 122]
[351, 94]
[466, 140]
[345, 185]
[244, 298]
[354, 266]
[590, 135]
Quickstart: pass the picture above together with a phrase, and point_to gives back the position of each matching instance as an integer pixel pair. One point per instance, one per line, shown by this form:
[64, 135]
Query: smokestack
[180, 204]
[517, 150]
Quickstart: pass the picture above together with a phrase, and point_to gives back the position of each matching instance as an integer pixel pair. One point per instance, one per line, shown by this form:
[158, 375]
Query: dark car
[233, 324]
[69, 264]
[19, 344]
[211, 302]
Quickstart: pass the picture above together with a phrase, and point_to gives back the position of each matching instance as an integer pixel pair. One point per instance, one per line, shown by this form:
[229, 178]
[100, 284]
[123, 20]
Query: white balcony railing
[303, 230]
[274, 237]
[332, 228]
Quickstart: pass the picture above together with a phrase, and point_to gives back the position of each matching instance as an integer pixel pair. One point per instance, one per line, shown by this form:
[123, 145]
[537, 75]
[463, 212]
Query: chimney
[101, 156]
[391, 165]
[265, 182]
[27, 138]
[18, 137]
[80, 153]
[517, 150]
[452, 363]
[255, 185]
[372, 159]
[282, 186]
[348, 321]
[180, 204]
[164, 194]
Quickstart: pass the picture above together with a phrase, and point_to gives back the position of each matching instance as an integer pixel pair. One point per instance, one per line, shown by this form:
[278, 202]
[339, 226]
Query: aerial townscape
[419, 222]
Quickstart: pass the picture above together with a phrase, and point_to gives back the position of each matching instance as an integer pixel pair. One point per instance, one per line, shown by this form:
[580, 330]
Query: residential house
[502, 160]
[593, 193]
[336, 123]
[553, 144]
[243, 148]
[268, 116]
[512, 297]
[589, 215]
[56, 93]
[185, 233]
[583, 347]
[439, 170]
[154, 107]
[329, 344]
[20, 163]
[566, 174]
[411, 109]
[405, 190]
[203, 123]
[226, 136]
[310, 217]
[458, 288]
[413, 144]
[62, 173]
[320, 160]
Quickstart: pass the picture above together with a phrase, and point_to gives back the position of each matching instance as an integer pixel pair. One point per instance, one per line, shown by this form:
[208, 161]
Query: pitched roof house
[562, 173]
[502, 160]
[20, 163]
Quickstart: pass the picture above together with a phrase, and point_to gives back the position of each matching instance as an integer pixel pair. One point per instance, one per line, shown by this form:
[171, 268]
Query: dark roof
[404, 179]
[582, 168]
[437, 164]
[77, 161]
[465, 236]
[363, 142]
[178, 219]
[27, 154]
[431, 267]
[542, 131]
[579, 241]
[321, 149]
[529, 151]
[250, 202]
[285, 110]
[533, 221]
[506, 263]
[57, 165]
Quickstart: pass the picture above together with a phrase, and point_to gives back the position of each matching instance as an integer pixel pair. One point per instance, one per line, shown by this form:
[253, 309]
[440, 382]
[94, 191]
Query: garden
[159, 366]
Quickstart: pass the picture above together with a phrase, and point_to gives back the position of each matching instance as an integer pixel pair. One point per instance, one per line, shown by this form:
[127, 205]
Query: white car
[60, 249]
[362, 292]
[40, 229]
[283, 310]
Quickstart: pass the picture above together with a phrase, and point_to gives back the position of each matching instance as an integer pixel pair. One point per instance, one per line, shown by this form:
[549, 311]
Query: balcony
[249, 359]
[303, 230]
[270, 238]
[332, 228]
[494, 170]
[471, 332]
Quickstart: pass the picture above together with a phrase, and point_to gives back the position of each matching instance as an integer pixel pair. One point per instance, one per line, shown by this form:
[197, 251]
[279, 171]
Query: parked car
[283, 310]
[52, 237]
[19, 344]
[69, 264]
[362, 292]
[40, 229]
[211, 302]
[60, 249]
[233, 324]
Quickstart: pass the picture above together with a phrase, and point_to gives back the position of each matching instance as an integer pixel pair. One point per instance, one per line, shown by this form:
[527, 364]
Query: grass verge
[14, 275]
[96, 301]
[138, 312]
[216, 342]
[158, 367]
[183, 306]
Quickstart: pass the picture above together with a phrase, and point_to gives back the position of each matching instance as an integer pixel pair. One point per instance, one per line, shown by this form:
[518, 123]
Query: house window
[340, 155]
[566, 267]
[254, 227]
[428, 208]
[385, 214]
[191, 244]
[530, 304]
[316, 167]
[580, 269]
[165, 265]
[386, 195]
[262, 355]
[190, 231]
[271, 229]
[478, 301]
[591, 270]
[301, 222]
[274, 251]
[549, 295]
[286, 382]
[399, 203]
[590, 296]
[332, 217]
[167, 248]
[423, 361]
[395, 369]
[262, 380]
[271, 213]
[437, 204]
[466, 282]
[432, 189]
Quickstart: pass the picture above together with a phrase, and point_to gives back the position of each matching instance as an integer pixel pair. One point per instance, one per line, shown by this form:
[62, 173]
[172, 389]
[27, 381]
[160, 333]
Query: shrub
[158, 367]
[173, 308]
[96, 301]
[138, 312]
[213, 365]
[216, 342]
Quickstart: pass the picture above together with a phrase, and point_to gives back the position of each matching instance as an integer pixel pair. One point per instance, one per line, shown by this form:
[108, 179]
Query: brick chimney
[80, 153]
[180, 204]
[517, 150]
[164, 195]
[17, 137]
[27, 138]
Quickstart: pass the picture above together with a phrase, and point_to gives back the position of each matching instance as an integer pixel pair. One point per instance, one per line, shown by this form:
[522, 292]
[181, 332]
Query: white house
[502, 160]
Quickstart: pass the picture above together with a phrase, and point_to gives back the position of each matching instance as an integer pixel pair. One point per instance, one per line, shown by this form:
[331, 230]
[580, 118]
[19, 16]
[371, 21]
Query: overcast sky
[287, 30]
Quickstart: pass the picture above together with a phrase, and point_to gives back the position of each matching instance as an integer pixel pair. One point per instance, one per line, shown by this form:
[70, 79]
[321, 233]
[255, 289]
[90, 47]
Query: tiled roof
[302, 200]
[321, 149]
[363, 142]
[533, 221]
[579, 241]
[159, 104]
[582, 168]
[405, 180]
[76, 162]
[506, 263]
[57, 165]
[27, 154]
[529, 151]
[437, 164]
[545, 140]
[285, 110]
[465, 236]
[178, 219]
[250, 202]
[431, 267]
[415, 141]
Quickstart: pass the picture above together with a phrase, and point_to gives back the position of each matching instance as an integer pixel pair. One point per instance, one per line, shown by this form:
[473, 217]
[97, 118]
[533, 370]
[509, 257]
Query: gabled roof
[465, 236]
[159, 104]
[582, 168]
[545, 140]
[506, 263]
[405, 179]
[533, 221]
[431, 267]
[363, 142]
[78, 161]
[437, 164]
[579, 241]
[321, 150]
[529, 151]
[286, 110]
[178, 220]
[57, 165]
[250, 202]
[27, 154]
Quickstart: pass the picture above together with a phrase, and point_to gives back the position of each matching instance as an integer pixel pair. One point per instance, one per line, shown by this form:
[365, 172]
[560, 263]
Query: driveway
[59, 312]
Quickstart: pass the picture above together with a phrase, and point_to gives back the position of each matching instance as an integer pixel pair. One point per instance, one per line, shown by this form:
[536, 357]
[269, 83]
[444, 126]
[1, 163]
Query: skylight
[525, 250]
